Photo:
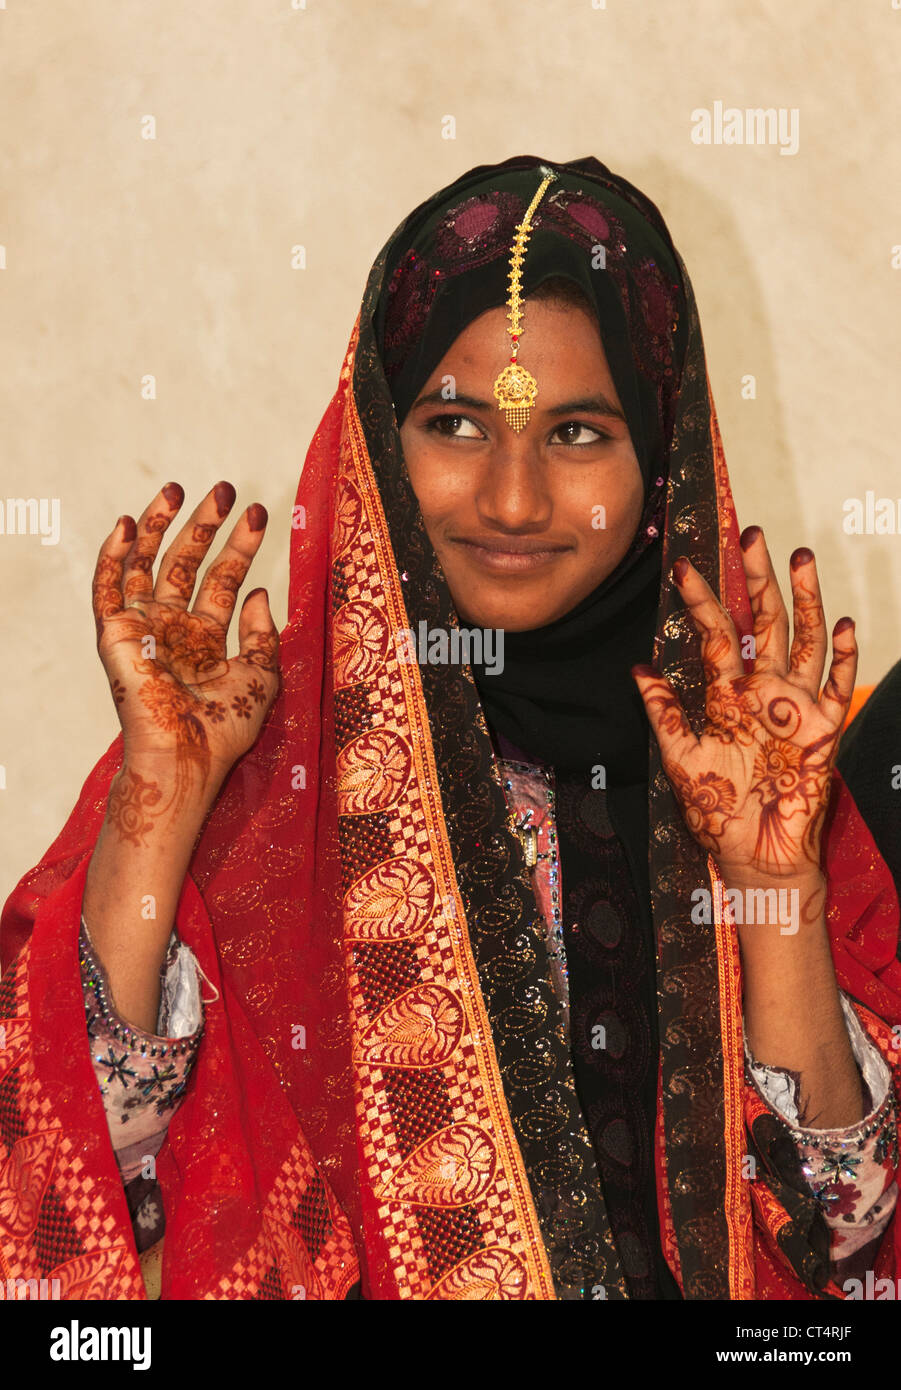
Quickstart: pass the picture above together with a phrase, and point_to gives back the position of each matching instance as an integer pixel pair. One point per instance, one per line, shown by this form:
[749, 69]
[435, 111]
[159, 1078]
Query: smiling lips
[511, 555]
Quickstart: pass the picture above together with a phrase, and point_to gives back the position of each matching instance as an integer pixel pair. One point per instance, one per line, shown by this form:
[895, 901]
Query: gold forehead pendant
[515, 389]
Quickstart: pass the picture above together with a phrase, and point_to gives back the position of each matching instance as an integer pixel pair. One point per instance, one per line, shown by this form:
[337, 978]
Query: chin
[518, 617]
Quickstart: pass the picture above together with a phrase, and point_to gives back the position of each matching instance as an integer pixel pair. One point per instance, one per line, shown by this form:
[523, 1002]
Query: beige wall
[323, 126]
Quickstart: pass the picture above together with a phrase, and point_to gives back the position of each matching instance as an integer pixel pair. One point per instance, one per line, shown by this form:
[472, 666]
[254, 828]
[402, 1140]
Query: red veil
[347, 1115]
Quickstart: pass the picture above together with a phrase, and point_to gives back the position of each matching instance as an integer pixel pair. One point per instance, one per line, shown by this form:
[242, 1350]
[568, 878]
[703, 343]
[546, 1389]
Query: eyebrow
[598, 404]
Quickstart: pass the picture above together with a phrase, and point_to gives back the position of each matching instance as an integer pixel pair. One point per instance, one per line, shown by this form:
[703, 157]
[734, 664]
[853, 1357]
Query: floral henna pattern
[130, 801]
[174, 709]
[732, 711]
[166, 702]
[241, 706]
[187, 648]
[186, 645]
[257, 692]
[118, 690]
[708, 804]
[784, 789]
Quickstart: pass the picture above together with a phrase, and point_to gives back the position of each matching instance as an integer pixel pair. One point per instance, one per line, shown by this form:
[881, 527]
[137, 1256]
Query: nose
[513, 492]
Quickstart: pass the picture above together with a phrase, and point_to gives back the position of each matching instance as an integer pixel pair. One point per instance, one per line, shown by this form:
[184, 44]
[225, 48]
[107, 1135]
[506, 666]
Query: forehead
[560, 339]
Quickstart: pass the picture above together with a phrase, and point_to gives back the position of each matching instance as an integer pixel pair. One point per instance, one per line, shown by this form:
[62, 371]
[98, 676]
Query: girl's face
[524, 525]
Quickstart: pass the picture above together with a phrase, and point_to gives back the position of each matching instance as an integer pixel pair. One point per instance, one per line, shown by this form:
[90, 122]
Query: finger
[808, 649]
[665, 714]
[137, 574]
[720, 649]
[106, 586]
[836, 694]
[258, 642]
[219, 587]
[770, 615]
[179, 565]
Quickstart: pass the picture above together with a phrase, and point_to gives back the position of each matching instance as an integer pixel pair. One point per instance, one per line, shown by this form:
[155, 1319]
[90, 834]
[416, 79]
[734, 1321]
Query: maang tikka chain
[515, 389]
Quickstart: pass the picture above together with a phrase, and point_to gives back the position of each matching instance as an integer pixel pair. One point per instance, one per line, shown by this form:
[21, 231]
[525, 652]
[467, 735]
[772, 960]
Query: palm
[186, 685]
[753, 785]
[177, 693]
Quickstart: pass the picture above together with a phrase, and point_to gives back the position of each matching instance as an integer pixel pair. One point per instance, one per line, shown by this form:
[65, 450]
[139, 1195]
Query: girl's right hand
[181, 702]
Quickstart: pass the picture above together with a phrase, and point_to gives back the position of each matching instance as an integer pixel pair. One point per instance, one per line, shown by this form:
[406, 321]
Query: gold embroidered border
[738, 1202]
[505, 1207]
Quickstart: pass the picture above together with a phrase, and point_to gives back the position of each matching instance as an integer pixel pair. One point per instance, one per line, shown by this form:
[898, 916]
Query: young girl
[542, 952]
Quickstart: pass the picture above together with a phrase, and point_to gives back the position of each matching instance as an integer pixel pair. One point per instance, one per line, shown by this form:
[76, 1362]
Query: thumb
[257, 633]
[665, 714]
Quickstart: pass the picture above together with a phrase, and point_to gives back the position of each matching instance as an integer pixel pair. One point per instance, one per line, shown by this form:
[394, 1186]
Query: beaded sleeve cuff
[180, 1017]
[850, 1172]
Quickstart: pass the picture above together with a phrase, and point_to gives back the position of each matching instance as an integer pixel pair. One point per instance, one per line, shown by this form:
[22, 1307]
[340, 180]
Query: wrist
[178, 793]
[807, 877]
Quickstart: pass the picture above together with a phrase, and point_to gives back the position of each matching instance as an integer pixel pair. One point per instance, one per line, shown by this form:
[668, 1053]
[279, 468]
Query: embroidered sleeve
[142, 1076]
[530, 800]
[851, 1172]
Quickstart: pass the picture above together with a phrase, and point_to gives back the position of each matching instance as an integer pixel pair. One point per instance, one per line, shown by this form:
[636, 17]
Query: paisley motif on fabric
[392, 901]
[299, 1277]
[87, 1277]
[451, 1169]
[490, 1276]
[372, 772]
[24, 1178]
[348, 513]
[421, 1029]
[361, 640]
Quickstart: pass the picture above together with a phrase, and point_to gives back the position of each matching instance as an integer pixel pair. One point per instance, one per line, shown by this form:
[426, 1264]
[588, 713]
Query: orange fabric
[861, 694]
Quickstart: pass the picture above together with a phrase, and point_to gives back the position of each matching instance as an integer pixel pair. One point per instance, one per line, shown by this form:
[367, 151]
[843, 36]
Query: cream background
[323, 126]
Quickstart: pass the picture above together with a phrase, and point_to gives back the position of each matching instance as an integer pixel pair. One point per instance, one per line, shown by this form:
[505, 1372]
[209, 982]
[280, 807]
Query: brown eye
[454, 427]
[576, 433]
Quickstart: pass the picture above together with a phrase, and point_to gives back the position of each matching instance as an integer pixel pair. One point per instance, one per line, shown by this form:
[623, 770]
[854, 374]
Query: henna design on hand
[223, 582]
[754, 782]
[788, 781]
[186, 645]
[715, 652]
[708, 803]
[130, 800]
[183, 573]
[105, 590]
[732, 710]
[808, 619]
[263, 652]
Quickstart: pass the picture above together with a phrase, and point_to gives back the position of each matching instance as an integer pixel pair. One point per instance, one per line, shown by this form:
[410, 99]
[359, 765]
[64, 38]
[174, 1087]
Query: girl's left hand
[754, 786]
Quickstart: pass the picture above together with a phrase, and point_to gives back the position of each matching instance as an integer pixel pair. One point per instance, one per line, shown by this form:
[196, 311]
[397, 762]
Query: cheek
[606, 509]
[438, 485]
